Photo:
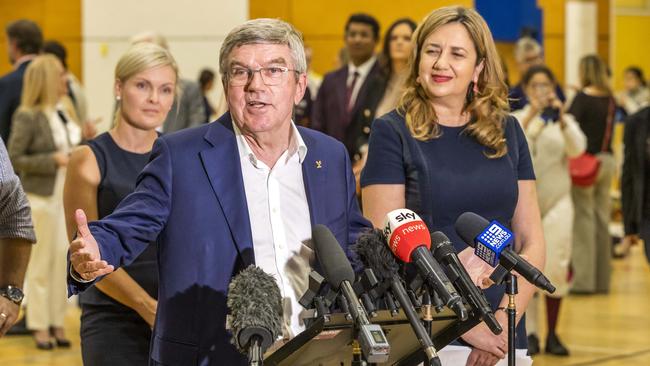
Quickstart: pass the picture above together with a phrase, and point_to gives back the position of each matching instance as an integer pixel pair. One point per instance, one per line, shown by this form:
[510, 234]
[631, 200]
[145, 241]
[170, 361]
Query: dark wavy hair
[385, 52]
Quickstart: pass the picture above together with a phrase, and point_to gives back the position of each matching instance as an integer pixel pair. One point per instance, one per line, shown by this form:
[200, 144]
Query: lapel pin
[319, 164]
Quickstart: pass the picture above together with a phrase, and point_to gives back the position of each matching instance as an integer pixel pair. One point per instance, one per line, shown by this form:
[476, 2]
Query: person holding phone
[553, 137]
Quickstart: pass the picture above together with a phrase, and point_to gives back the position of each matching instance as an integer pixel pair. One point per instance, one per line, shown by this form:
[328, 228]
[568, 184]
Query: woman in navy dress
[119, 311]
[451, 147]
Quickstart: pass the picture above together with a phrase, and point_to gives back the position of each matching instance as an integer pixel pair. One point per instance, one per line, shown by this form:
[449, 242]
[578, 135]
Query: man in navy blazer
[245, 189]
[348, 97]
[24, 42]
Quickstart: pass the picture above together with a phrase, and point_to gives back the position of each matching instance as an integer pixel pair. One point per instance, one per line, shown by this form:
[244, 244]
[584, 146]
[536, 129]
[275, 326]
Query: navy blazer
[329, 113]
[11, 86]
[191, 199]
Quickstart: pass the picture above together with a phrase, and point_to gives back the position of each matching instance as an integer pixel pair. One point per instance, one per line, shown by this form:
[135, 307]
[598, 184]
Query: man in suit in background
[246, 189]
[24, 42]
[348, 97]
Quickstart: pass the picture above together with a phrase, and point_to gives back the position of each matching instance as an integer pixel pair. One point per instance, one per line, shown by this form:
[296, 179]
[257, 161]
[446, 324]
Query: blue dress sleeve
[524, 161]
[385, 164]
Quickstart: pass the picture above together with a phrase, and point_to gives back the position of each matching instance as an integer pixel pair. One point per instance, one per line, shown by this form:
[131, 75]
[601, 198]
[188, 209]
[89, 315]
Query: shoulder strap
[610, 122]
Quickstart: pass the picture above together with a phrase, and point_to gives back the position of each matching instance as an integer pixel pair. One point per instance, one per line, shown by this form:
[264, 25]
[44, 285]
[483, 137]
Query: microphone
[339, 274]
[490, 241]
[409, 239]
[255, 307]
[444, 252]
[375, 255]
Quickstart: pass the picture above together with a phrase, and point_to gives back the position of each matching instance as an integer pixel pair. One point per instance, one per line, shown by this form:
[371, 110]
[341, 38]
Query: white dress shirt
[363, 70]
[280, 222]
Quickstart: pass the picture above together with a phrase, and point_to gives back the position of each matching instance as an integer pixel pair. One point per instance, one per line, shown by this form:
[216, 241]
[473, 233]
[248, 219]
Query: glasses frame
[251, 73]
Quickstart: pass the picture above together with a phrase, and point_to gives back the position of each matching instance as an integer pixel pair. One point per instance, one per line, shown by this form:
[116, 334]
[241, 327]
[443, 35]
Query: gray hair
[263, 30]
[150, 37]
[525, 45]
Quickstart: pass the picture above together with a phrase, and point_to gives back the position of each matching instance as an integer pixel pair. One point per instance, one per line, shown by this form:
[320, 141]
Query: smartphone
[550, 114]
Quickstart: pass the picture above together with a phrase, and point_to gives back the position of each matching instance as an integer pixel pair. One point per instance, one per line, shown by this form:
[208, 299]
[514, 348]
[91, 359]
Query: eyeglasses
[273, 75]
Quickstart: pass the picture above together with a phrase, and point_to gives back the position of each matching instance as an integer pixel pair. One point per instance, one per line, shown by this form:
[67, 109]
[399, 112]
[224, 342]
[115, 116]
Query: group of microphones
[406, 268]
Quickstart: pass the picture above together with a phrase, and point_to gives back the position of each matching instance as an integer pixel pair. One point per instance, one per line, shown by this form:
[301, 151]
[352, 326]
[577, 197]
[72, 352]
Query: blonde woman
[118, 313]
[594, 108]
[39, 145]
[450, 147]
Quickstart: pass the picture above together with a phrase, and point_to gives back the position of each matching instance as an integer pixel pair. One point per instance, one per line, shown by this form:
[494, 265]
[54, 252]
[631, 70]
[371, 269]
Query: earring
[118, 98]
[471, 90]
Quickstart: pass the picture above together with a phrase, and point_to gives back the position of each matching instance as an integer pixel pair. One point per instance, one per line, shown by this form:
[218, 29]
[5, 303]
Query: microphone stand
[511, 310]
[499, 276]
[427, 311]
[357, 359]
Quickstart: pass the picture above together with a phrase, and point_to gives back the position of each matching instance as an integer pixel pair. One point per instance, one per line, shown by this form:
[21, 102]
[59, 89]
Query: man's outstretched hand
[84, 252]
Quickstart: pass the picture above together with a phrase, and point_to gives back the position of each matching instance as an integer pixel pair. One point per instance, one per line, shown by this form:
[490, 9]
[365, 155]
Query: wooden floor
[604, 330]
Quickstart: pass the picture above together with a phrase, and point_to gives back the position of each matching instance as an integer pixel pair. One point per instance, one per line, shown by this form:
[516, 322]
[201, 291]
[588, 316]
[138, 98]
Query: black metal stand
[511, 290]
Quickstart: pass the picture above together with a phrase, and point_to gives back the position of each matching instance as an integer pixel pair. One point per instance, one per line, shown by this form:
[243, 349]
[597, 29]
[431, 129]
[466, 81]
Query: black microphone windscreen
[332, 259]
[469, 225]
[254, 300]
[440, 245]
[374, 253]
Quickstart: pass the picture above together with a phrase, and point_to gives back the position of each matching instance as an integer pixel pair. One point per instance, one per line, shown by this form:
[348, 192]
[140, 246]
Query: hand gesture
[84, 252]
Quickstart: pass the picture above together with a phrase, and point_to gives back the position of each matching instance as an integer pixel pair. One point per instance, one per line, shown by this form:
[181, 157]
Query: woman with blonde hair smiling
[119, 311]
[41, 139]
[451, 147]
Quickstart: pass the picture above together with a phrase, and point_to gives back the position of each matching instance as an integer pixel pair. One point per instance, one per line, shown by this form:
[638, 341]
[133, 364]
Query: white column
[194, 30]
[581, 32]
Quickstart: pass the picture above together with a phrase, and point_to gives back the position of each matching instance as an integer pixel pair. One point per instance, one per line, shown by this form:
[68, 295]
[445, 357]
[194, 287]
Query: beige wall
[194, 30]
[631, 38]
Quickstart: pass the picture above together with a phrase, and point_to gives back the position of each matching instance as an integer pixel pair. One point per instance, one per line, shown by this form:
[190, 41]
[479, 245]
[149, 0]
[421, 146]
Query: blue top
[450, 175]
[119, 170]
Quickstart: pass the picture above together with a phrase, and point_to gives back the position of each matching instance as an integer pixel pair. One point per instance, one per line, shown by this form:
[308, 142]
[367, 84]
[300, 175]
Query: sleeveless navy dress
[111, 333]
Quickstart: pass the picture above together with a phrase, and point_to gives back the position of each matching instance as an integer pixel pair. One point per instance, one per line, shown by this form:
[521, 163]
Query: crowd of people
[429, 123]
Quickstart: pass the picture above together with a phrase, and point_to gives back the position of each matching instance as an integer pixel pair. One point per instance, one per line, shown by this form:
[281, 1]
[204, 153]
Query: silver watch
[12, 293]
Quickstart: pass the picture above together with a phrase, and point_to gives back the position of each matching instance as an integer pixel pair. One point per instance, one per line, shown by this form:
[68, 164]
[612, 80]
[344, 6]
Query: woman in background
[594, 109]
[636, 94]
[553, 138]
[395, 54]
[39, 145]
[451, 147]
[394, 58]
[118, 313]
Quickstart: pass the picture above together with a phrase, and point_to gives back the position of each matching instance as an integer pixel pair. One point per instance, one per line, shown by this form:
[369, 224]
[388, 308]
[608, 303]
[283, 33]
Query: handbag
[584, 168]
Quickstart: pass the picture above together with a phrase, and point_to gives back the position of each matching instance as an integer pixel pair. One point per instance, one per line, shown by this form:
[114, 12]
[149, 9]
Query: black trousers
[113, 335]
